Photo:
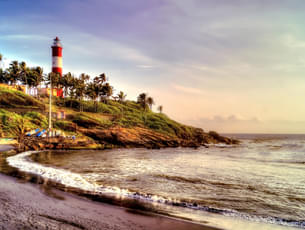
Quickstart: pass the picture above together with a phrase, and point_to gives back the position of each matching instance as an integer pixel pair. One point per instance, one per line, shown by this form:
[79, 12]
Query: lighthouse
[57, 60]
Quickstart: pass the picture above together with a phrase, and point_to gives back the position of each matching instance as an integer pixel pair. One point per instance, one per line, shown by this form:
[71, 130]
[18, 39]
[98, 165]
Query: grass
[17, 99]
[9, 121]
[128, 114]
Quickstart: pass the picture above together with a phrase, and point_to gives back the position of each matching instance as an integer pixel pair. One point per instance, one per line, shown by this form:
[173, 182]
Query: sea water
[260, 182]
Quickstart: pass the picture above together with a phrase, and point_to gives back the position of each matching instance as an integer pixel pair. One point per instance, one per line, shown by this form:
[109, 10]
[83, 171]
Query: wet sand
[25, 205]
[5, 147]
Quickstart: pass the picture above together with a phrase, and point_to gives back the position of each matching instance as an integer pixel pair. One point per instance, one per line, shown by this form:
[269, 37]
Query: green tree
[150, 101]
[160, 108]
[57, 82]
[142, 100]
[121, 96]
[3, 76]
[13, 72]
[81, 89]
[34, 77]
[68, 79]
[92, 91]
[19, 130]
[105, 92]
[100, 79]
[23, 73]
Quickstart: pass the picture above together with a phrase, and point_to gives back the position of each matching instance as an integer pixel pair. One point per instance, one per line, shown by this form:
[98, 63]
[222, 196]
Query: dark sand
[5, 147]
[25, 205]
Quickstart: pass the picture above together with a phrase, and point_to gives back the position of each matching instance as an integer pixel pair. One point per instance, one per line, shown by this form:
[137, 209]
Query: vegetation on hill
[92, 111]
[17, 99]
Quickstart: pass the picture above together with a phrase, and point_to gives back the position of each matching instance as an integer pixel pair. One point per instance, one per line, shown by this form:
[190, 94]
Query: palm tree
[13, 72]
[38, 76]
[100, 79]
[24, 72]
[81, 89]
[34, 77]
[92, 91]
[3, 76]
[150, 101]
[142, 99]
[68, 83]
[105, 92]
[160, 108]
[121, 96]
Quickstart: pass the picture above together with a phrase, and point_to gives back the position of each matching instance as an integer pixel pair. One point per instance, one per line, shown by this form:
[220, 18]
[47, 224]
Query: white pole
[50, 106]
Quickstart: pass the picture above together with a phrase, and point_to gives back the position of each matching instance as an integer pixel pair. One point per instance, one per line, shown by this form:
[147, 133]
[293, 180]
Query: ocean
[259, 183]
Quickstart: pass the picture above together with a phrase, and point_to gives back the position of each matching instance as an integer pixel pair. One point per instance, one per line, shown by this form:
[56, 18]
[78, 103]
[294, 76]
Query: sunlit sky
[225, 65]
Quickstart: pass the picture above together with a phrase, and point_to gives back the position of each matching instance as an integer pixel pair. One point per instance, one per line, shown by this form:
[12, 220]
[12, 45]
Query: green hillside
[125, 123]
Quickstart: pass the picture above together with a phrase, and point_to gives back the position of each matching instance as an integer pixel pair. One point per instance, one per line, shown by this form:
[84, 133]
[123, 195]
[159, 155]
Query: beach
[25, 205]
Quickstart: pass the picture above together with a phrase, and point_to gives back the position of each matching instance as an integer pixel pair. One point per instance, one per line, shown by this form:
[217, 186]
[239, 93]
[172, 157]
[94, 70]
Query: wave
[69, 179]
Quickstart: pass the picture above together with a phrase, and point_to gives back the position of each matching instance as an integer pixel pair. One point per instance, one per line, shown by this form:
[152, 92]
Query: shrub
[86, 121]
[37, 119]
[65, 125]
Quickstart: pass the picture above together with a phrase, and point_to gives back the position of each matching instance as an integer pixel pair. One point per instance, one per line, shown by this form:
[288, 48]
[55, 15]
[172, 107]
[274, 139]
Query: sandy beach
[24, 205]
[28, 206]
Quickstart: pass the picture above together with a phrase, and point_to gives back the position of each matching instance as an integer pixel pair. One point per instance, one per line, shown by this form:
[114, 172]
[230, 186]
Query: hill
[110, 124]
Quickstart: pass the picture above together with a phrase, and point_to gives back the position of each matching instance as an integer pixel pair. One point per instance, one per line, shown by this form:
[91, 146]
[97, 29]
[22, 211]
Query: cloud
[145, 66]
[23, 37]
[237, 124]
[189, 90]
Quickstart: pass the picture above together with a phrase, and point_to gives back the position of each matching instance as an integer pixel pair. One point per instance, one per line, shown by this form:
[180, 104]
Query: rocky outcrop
[119, 137]
[131, 137]
[142, 137]
[36, 143]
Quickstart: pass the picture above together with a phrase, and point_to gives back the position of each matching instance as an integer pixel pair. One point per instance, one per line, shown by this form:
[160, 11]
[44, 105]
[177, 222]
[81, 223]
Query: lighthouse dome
[57, 42]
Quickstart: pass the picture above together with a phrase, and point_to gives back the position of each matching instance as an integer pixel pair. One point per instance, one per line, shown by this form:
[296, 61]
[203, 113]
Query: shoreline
[28, 205]
[56, 191]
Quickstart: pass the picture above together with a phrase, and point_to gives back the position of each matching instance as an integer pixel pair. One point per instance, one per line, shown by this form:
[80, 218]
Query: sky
[234, 66]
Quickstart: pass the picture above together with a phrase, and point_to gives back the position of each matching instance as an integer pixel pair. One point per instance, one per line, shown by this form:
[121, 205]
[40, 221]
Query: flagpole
[50, 106]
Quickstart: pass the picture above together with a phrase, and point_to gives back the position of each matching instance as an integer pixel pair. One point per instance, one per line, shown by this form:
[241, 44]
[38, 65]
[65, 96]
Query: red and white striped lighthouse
[57, 56]
[57, 60]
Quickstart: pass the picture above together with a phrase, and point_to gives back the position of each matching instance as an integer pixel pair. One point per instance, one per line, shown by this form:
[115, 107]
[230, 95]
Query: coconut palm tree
[142, 100]
[100, 79]
[81, 89]
[105, 92]
[23, 73]
[150, 101]
[68, 83]
[121, 96]
[13, 72]
[38, 73]
[92, 91]
[34, 77]
[3, 76]
[160, 108]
